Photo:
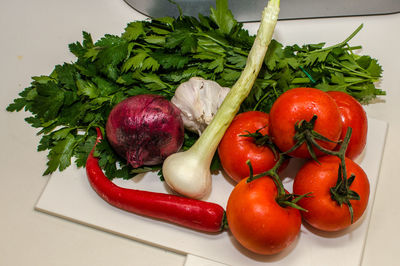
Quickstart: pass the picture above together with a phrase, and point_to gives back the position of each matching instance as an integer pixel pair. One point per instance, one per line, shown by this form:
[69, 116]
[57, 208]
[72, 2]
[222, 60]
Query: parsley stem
[300, 80]
[262, 99]
[225, 45]
[351, 48]
[233, 67]
[239, 51]
[348, 70]
[341, 44]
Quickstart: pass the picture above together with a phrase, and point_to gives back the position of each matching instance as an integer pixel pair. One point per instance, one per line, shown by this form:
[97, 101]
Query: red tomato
[234, 150]
[323, 212]
[354, 116]
[257, 221]
[302, 104]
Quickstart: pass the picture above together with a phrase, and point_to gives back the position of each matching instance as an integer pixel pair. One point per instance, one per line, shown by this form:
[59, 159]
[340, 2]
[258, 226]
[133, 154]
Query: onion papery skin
[145, 129]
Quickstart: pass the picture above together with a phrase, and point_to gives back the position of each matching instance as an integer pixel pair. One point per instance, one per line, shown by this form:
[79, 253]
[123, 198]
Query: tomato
[300, 104]
[257, 221]
[354, 116]
[323, 212]
[234, 150]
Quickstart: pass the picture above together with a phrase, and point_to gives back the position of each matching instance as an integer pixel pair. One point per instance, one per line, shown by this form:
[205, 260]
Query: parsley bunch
[155, 56]
[334, 68]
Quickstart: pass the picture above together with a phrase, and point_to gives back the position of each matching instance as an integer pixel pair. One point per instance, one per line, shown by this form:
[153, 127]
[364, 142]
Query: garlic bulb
[198, 99]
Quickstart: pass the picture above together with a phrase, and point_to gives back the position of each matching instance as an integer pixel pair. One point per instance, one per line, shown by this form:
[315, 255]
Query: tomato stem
[291, 200]
[341, 192]
[284, 199]
[262, 140]
[273, 172]
[305, 133]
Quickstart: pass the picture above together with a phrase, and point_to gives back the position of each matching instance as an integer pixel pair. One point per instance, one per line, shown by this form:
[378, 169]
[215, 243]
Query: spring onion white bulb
[188, 172]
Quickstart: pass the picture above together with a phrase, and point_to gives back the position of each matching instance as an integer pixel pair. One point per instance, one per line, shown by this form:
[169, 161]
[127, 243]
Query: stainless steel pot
[250, 10]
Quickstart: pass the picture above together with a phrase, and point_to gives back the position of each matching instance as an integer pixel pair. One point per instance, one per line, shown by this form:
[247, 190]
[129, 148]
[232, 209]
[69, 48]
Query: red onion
[145, 129]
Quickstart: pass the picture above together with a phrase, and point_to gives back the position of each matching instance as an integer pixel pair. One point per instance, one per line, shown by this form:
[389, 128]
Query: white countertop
[34, 38]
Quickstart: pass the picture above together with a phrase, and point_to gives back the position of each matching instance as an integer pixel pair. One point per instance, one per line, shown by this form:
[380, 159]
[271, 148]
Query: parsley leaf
[182, 38]
[60, 155]
[133, 31]
[223, 17]
[48, 100]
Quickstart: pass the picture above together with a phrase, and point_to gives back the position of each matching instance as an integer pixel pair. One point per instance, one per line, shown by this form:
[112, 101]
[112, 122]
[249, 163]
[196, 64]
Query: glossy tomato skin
[353, 115]
[323, 212]
[257, 221]
[234, 150]
[302, 104]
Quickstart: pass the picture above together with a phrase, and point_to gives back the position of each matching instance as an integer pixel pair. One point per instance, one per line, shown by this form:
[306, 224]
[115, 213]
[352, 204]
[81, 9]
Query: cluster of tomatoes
[330, 191]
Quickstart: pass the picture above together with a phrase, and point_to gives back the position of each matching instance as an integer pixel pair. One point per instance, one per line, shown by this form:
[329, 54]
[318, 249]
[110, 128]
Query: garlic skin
[198, 99]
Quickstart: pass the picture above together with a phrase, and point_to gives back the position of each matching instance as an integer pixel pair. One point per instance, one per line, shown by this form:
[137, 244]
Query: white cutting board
[69, 195]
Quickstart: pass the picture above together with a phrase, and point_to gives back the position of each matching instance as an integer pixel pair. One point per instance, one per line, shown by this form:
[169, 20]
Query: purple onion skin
[145, 129]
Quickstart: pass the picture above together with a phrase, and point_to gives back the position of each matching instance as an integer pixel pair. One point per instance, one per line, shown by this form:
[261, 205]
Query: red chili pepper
[195, 214]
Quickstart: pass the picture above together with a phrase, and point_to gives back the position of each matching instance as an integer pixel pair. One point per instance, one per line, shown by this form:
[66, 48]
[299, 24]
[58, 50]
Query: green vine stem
[283, 198]
[340, 193]
[261, 139]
